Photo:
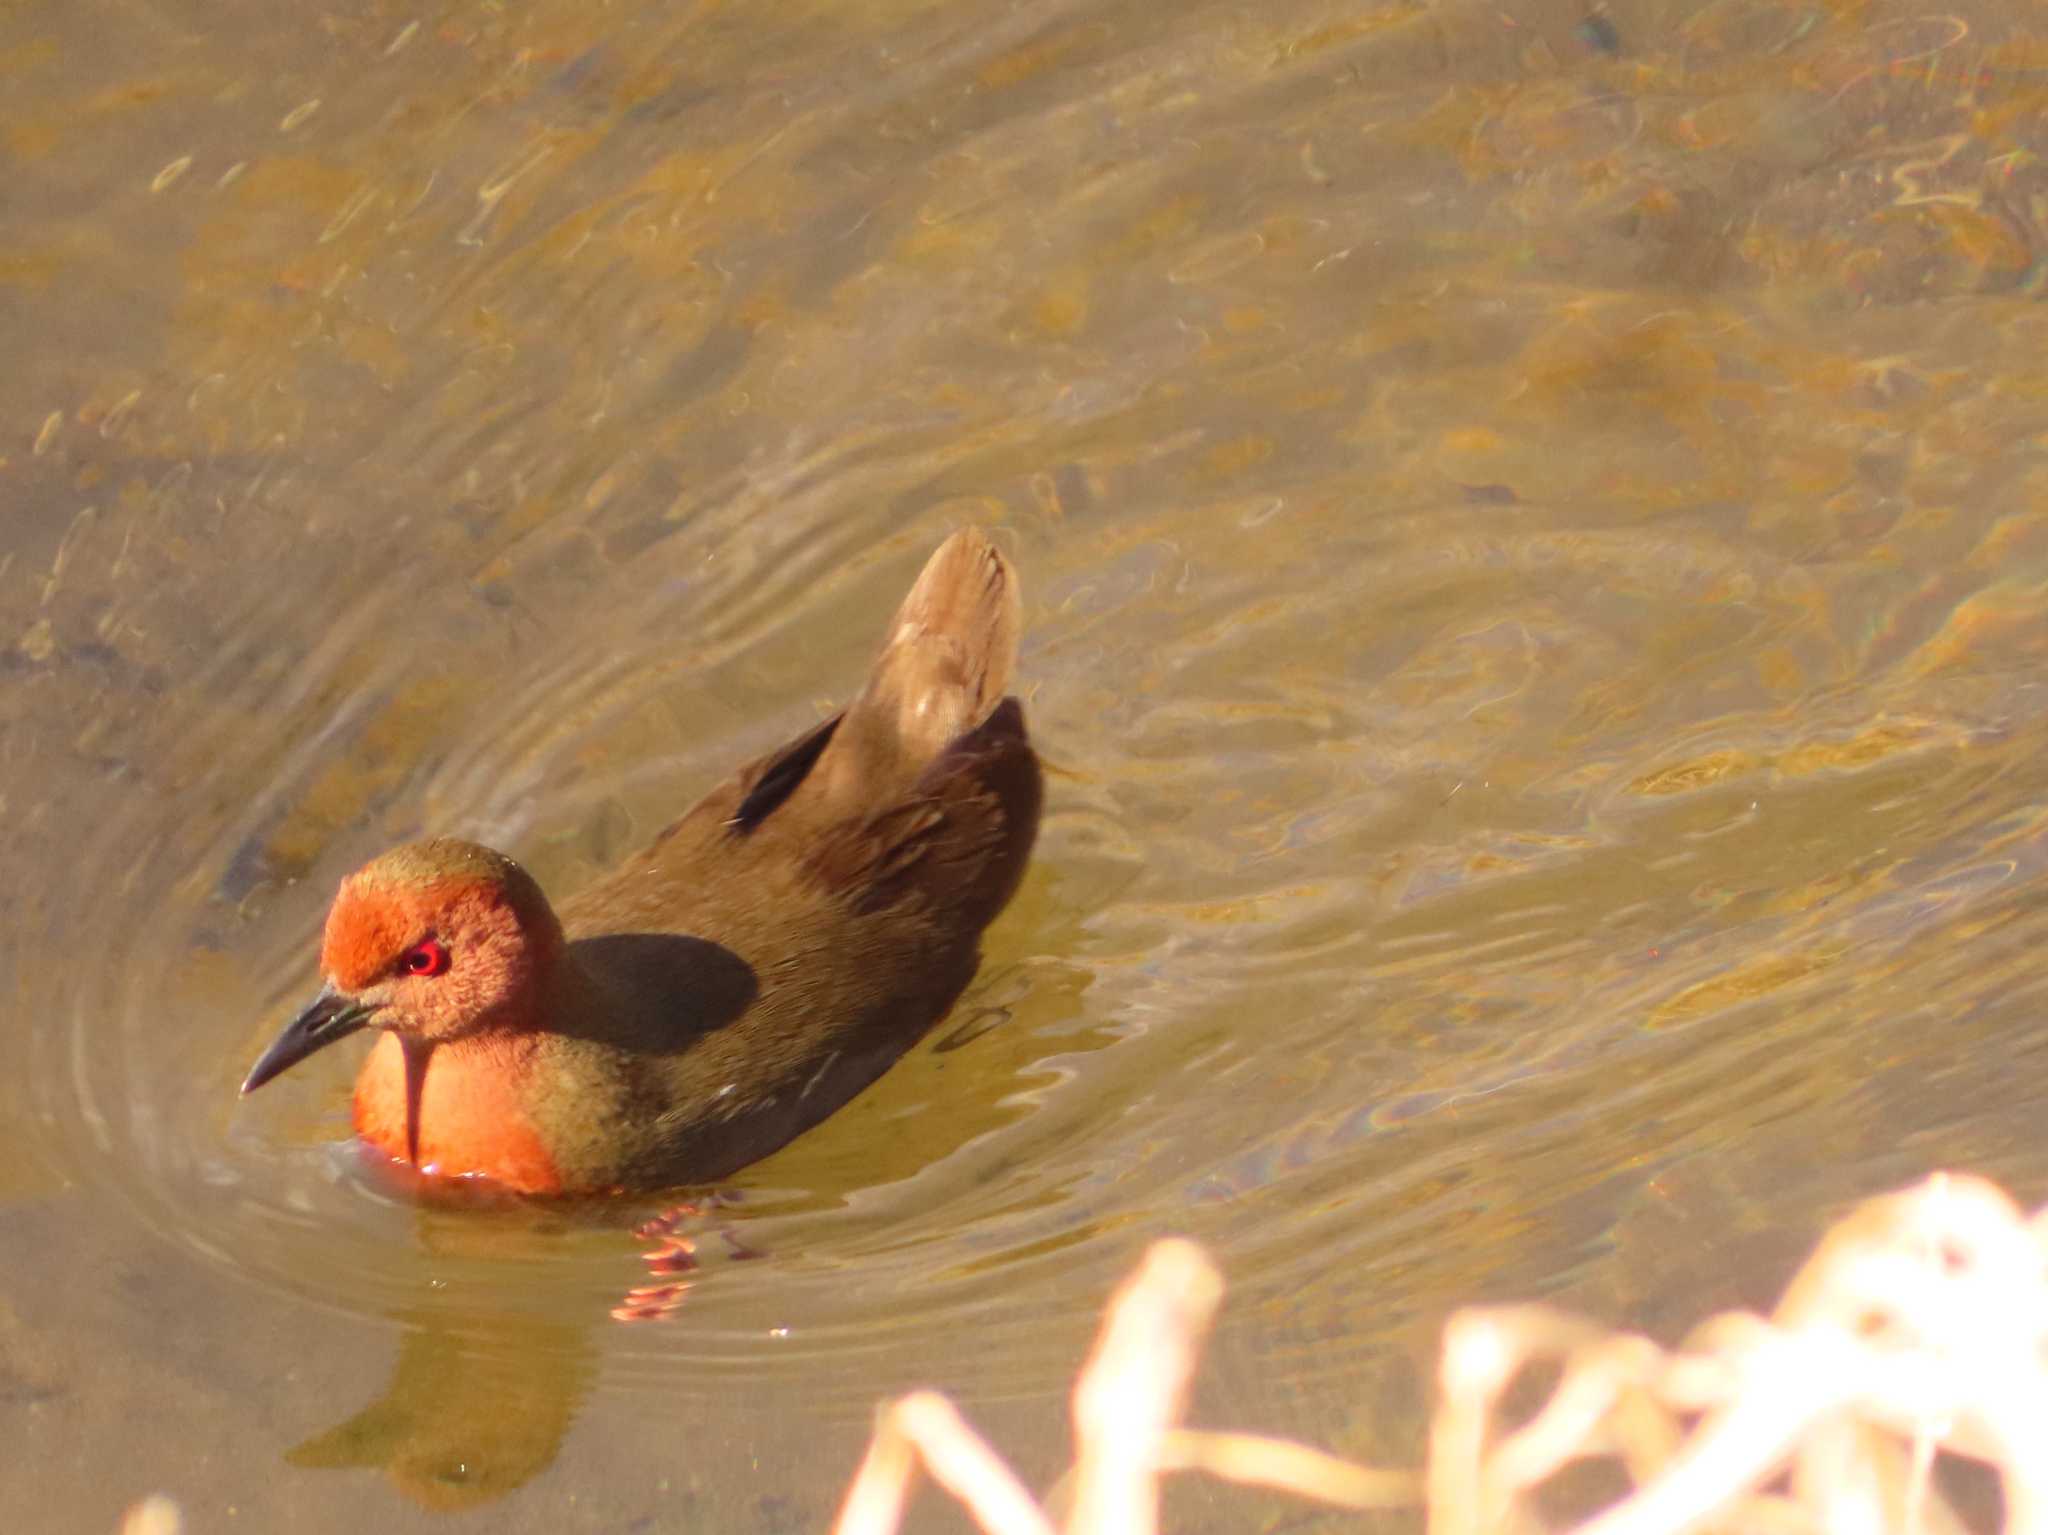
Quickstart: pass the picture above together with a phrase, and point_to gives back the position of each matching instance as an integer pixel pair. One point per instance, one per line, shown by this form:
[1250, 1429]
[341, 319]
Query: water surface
[1535, 579]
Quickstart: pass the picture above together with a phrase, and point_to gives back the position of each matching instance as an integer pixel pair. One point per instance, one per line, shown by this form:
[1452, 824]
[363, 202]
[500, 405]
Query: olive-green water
[1536, 566]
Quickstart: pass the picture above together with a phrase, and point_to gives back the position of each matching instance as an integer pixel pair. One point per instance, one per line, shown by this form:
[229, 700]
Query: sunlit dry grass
[1918, 1328]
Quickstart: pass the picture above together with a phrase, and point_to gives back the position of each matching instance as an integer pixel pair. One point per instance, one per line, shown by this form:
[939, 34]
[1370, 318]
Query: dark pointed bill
[328, 1017]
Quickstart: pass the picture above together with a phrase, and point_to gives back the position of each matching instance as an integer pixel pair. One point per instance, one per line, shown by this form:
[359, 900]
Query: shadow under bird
[767, 957]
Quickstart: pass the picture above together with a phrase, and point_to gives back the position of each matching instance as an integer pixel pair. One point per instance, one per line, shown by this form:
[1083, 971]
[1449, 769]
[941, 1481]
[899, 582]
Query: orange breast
[472, 1119]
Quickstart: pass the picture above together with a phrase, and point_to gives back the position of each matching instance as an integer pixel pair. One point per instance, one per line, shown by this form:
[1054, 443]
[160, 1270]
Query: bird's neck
[474, 1110]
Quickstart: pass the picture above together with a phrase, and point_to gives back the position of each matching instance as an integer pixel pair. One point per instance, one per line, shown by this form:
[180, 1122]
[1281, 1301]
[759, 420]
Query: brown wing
[957, 841]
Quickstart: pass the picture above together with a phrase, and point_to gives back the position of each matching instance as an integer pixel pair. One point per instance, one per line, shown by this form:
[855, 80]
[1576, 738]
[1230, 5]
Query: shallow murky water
[1535, 571]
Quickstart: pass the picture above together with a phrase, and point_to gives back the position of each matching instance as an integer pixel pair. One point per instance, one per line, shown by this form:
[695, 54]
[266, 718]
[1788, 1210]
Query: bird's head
[434, 941]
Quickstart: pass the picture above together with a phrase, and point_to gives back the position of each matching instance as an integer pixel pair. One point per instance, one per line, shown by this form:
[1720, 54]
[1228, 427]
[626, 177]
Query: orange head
[434, 941]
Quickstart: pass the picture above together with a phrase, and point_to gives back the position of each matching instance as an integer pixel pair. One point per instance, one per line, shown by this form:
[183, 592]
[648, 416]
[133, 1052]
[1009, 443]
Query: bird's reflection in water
[476, 1407]
[491, 1373]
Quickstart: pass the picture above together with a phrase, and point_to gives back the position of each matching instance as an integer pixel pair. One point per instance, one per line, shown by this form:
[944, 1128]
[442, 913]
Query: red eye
[427, 958]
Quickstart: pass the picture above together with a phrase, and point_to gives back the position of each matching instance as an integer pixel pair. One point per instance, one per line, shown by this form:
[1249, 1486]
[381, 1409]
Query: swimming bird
[767, 957]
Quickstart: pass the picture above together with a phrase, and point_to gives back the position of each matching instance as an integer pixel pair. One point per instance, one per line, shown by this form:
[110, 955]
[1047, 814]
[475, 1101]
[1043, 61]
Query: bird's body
[768, 956]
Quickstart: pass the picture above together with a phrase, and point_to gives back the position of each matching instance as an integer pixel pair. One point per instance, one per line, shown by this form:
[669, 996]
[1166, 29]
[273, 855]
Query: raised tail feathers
[943, 669]
[947, 659]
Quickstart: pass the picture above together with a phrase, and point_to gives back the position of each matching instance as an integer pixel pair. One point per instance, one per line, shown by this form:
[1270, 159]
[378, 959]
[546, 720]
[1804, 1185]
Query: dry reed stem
[154, 1515]
[1254, 1460]
[1133, 1387]
[924, 1428]
[1918, 1327]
